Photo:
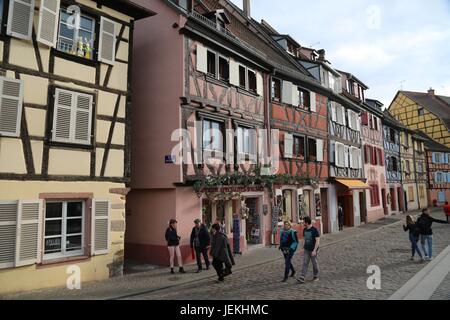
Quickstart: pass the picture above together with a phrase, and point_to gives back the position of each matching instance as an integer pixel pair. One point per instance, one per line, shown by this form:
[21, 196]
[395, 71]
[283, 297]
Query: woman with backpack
[414, 234]
[288, 245]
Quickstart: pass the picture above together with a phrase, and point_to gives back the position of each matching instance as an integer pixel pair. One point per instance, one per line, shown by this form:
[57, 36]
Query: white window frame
[251, 142]
[204, 148]
[64, 218]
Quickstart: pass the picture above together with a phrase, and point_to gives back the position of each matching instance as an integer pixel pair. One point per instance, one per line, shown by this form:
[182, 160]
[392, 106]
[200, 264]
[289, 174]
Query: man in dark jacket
[341, 217]
[220, 251]
[426, 233]
[200, 241]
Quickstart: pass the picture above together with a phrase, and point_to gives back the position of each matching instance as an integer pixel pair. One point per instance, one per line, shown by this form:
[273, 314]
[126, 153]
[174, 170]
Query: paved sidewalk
[159, 279]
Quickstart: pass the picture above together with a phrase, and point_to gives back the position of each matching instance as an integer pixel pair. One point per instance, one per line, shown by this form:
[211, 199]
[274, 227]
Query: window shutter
[350, 122]
[343, 116]
[360, 164]
[358, 122]
[107, 45]
[240, 137]
[8, 229]
[62, 118]
[288, 145]
[351, 156]
[28, 234]
[259, 84]
[312, 99]
[433, 157]
[20, 19]
[382, 159]
[346, 151]
[100, 226]
[319, 148]
[365, 118]
[83, 112]
[337, 158]
[48, 22]
[366, 155]
[11, 97]
[333, 111]
[234, 71]
[287, 92]
[295, 96]
[202, 59]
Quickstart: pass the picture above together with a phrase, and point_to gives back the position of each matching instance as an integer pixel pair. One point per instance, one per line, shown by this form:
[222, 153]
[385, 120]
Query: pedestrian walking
[414, 234]
[447, 211]
[311, 241]
[341, 217]
[200, 242]
[288, 245]
[426, 233]
[173, 244]
[220, 252]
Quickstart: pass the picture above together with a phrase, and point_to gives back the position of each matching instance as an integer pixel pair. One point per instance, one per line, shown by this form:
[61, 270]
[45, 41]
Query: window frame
[220, 56]
[248, 71]
[64, 235]
[295, 153]
[307, 98]
[374, 195]
[251, 144]
[309, 157]
[222, 130]
[274, 91]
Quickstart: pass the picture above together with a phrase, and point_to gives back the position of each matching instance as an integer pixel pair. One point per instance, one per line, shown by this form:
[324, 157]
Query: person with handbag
[288, 245]
[173, 244]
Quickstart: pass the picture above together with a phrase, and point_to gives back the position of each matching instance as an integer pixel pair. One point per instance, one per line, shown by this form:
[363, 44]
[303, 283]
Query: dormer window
[220, 18]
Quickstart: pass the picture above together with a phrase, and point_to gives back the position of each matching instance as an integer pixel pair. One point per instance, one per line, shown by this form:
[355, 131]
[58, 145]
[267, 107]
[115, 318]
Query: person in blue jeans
[426, 233]
[311, 242]
[414, 234]
[288, 245]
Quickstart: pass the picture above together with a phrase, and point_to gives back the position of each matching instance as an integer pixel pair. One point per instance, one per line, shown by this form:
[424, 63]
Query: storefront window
[64, 229]
[253, 223]
[207, 213]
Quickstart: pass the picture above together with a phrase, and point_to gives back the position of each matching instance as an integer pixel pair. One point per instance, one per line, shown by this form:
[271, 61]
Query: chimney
[431, 92]
[321, 54]
[246, 8]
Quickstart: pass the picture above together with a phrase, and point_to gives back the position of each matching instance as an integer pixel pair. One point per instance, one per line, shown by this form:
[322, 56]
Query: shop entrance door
[253, 223]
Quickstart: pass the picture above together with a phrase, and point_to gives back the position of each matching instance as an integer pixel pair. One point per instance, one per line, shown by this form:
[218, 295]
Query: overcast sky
[385, 43]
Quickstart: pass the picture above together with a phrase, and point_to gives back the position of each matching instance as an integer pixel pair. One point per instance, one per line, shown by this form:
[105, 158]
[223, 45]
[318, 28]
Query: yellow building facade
[427, 112]
[64, 139]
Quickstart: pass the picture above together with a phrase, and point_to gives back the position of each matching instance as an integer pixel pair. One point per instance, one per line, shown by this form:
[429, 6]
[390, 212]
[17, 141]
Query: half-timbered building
[395, 196]
[64, 130]
[427, 112]
[374, 160]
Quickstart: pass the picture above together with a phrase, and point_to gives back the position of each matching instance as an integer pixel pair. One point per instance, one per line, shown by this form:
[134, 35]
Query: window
[391, 135]
[437, 157]
[394, 164]
[312, 149]
[72, 119]
[353, 119]
[246, 140]
[224, 69]
[374, 195]
[407, 167]
[212, 136]
[251, 80]
[304, 98]
[440, 177]
[299, 147]
[242, 77]
[411, 194]
[2, 5]
[276, 89]
[421, 111]
[340, 155]
[421, 192]
[287, 204]
[355, 90]
[375, 121]
[420, 167]
[76, 40]
[211, 64]
[64, 229]
[355, 155]
[441, 196]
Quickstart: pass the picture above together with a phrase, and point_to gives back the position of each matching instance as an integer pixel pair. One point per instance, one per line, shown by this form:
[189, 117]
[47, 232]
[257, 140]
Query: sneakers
[301, 280]
[171, 271]
[427, 258]
[316, 279]
[182, 270]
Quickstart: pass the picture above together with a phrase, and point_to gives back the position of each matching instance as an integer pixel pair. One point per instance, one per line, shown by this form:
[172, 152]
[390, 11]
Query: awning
[354, 184]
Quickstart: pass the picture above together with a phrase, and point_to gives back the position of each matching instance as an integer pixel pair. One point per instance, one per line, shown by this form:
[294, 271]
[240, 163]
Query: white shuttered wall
[11, 97]
[107, 45]
[48, 22]
[28, 233]
[20, 19]
[72, 117]
[100, 226]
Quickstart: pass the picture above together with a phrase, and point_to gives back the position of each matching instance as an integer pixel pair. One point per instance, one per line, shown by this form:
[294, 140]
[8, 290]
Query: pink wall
[157, 88]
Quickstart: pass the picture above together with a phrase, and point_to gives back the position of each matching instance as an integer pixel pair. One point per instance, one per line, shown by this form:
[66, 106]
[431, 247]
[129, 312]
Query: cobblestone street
[343, 272]
[343, 261]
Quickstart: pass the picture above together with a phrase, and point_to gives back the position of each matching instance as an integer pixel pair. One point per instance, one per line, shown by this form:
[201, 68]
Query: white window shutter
[351, 154]
[288, 145]
[202, 59]
[29, 226]
[349, 114]
[346, 152]
[295, 96]
[234, 73]
[11, 98]
[319, 148]
[48, 22]
[8, 230]
[107, 44]
[343, 115]
[287, 92]
[312, 99]
[358, 122]
[20, 19]
[360, 163]
[62, 117]
[83, 116]
[333, 111]
[259, 84]
[100, 240]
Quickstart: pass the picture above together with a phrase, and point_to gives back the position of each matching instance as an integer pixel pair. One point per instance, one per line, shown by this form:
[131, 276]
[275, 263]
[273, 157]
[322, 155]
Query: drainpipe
[415, 173]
